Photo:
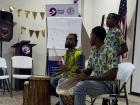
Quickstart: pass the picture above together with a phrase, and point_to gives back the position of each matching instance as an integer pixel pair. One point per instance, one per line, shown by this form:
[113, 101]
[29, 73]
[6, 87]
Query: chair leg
[115, 101]
[126, 95]
[109, 102]
[3, 82]
[4, 85]
[105, 101]
[8, 85]
[11, 93]
[93, 101]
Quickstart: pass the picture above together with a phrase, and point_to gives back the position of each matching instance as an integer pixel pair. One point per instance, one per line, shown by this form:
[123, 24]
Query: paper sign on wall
[60, 27]
[62, 10]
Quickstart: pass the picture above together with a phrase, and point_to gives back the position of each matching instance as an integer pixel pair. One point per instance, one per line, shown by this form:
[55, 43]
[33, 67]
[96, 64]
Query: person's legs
[91, 88]
[54, 83]
[106, 101]
[115, 102]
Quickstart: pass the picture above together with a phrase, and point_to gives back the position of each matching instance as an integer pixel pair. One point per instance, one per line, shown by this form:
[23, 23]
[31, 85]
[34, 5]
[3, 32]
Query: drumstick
[67, 84]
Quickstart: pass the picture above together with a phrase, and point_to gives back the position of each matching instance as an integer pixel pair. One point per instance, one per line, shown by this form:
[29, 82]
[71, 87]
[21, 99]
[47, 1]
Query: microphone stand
[0, 47]
[1, 71]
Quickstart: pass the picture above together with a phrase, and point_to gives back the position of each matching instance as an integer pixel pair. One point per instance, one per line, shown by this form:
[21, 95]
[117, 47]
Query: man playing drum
[73, 61]
[104, 66]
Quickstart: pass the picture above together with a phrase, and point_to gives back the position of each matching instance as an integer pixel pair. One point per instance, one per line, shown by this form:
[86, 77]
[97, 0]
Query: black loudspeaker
[6, 26]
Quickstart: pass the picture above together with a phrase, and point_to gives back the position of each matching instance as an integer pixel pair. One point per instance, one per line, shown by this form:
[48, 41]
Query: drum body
[67, 96]
[26, 96]
[37, 92]
[67, 99]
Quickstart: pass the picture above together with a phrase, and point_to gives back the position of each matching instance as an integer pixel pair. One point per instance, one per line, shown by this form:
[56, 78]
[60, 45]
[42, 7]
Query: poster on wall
[62, 10]
[59, 28]
[62, 19]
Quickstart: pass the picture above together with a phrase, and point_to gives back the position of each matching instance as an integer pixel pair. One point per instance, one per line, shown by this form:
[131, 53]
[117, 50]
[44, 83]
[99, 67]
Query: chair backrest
[23, 62]
[125, 70]
[3, 63]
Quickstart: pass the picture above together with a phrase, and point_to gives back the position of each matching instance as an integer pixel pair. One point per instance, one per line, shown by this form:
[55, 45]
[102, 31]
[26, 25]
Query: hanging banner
[34, 14]
[14, 23]
[37, 33]
[31, 32]
[42, 15]
[43, 33]
[27, 13]
[19, 10]
[23, 29]
[62, 10]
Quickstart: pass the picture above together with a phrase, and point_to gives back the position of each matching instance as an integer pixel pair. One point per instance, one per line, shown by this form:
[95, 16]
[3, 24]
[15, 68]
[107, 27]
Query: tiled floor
[133, 100]
[18, 99]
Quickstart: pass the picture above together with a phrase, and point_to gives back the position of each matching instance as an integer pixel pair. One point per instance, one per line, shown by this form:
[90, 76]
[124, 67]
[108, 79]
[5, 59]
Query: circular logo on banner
[70, 11]
[26, 49]
[52, 11]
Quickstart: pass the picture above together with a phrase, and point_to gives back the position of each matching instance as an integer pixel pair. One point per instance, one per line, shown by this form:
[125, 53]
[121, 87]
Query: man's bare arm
[122, 49]
[108, 76]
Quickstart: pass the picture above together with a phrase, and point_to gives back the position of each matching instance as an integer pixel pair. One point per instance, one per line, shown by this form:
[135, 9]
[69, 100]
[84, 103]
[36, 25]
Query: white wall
[92, 11]
[136, 83]
[39, 51]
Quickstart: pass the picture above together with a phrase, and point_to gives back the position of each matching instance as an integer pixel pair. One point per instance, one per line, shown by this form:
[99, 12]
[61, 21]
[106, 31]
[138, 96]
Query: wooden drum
[26, 96]
[66, 96]
[37, 91]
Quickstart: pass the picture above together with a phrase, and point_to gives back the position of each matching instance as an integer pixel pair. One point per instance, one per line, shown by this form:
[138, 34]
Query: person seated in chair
[104, 66]
[115, 39]
[73, 61]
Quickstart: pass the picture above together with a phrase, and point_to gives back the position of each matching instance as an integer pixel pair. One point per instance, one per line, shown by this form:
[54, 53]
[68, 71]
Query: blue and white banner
[62, 10]
[53, 67]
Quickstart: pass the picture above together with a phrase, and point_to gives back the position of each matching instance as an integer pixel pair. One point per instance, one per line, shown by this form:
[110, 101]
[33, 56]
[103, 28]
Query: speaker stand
[1, 71]
[0, 48]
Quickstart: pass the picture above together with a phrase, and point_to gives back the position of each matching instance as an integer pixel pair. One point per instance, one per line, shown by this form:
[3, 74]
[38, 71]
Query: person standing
[115, 39]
